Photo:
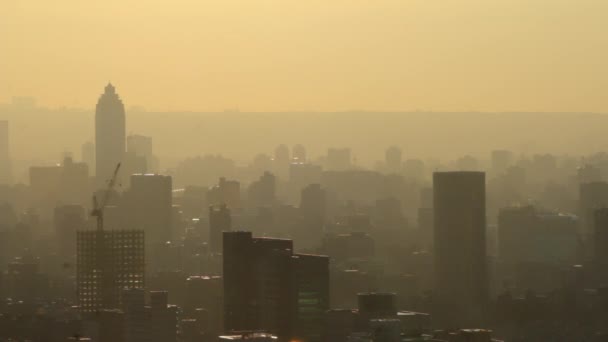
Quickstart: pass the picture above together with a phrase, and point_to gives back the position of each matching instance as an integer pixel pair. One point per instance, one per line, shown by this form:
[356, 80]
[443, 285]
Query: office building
[107, 262]
[461, 284]
[110, 133]
[268, 288]
[311, 287]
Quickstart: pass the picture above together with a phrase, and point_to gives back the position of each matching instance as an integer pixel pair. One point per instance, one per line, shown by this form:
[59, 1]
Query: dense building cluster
[292, 247]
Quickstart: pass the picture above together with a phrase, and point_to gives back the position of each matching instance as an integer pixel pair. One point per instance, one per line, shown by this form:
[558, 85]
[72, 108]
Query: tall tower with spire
[110, 134]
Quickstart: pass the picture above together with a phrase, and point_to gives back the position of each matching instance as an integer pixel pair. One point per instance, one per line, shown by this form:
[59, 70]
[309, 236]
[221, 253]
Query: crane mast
[98, 207]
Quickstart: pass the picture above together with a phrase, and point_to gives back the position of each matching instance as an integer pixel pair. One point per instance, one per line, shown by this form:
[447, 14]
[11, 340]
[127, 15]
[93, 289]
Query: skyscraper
[5, 165]
[461, 285]
[110, 132]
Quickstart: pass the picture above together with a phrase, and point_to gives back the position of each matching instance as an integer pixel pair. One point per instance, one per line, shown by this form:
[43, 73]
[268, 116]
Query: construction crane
[98, 207]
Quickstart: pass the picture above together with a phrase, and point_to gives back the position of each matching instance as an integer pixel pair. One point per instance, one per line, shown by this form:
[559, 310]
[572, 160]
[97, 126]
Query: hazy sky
[487, 55]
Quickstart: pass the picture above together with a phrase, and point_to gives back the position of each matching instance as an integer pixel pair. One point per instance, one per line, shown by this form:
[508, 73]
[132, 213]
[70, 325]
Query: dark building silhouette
[376, 306]
[589, 174]
[592, 196]
[219, 221]
[388, 215]
[5, 162]
[311, 296]
[268, 288]
[23, 281]
[141, 147]
[313, 203]
[392, 158]
[136, 315]
[55, 185]
[108, 262]
[303, 174]
[110, 134]
[600, 249]
[67, 220]
[163, 321]
[461, 284]
[281, 161]
[298, 154]
[87, 155]
[150, 206]
[313, 209]
[262, 192]
[205, 293]
[227, 192]
[501, 160]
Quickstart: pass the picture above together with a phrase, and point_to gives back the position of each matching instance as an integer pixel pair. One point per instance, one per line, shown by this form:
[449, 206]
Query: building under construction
[107, 263]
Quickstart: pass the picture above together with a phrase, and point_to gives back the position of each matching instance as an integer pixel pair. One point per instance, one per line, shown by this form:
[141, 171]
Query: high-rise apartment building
[108, 262]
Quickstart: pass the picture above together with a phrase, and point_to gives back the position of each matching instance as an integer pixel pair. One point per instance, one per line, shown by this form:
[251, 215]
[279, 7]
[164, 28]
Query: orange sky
[271, 55]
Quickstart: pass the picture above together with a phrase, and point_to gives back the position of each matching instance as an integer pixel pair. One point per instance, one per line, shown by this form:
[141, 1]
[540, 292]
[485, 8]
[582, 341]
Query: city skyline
[288, 171]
